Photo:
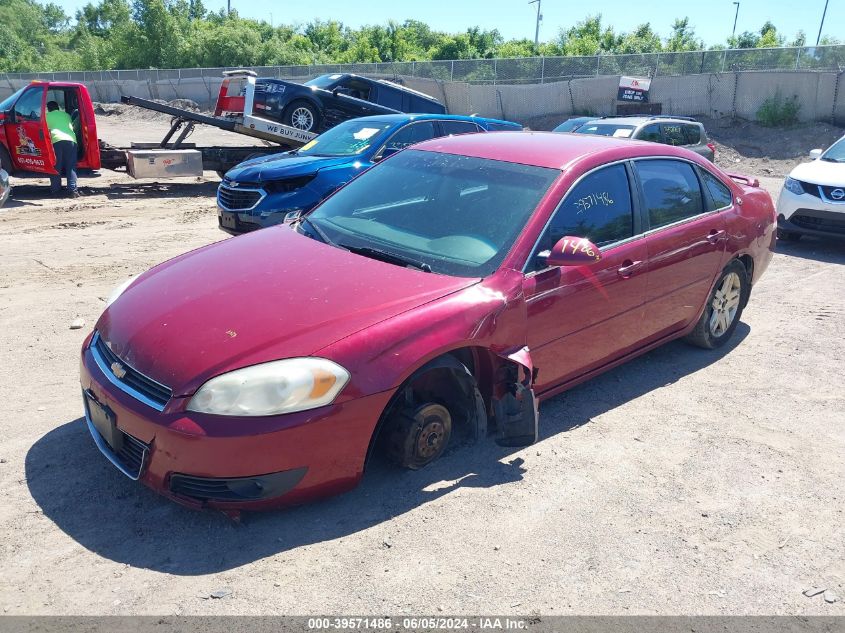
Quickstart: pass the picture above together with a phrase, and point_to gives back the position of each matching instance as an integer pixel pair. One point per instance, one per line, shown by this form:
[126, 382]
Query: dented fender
[489, 315]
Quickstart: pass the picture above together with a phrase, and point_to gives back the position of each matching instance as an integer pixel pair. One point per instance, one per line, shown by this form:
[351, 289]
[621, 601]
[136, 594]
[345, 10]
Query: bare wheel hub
[421, 436]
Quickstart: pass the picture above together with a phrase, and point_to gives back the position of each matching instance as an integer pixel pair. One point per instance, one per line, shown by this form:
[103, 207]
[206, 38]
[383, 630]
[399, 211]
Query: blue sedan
[264, 191]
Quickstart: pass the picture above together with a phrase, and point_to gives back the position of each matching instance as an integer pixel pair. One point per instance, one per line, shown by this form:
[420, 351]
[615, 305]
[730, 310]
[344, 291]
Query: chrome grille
[237, 198]
[827, 194]
[132, 382]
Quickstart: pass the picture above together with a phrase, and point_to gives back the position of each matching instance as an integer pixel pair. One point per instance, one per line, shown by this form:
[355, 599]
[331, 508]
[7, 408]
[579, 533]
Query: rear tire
[723, 309]
[302, 115]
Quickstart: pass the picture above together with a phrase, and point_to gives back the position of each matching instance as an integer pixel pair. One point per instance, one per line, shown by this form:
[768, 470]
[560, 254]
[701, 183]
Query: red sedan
[439, 296]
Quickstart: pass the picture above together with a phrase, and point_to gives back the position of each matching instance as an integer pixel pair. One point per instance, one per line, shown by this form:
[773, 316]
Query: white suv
[5, 189]
[812, 201]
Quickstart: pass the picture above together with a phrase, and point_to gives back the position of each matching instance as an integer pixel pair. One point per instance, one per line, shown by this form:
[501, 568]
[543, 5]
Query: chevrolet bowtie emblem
[118, 370]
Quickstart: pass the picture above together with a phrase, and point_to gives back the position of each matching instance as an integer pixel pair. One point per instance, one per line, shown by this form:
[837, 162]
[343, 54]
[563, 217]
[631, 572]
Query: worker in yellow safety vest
[64, 145]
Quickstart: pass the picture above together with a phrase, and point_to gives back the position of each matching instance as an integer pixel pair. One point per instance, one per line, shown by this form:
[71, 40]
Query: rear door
[686, 238]
[26, 130]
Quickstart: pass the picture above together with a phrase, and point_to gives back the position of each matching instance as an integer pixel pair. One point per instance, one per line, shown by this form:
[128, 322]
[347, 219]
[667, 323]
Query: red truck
[25, 146]
[24, 138]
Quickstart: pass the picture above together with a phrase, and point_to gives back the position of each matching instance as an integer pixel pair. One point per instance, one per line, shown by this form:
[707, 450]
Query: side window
[722, 196]
[414, 133]
[692, 134]
[356, 88]
[673, 134]
[651, 133]
[458, 127]
[598, 208]
[670, 189]
[28, 106]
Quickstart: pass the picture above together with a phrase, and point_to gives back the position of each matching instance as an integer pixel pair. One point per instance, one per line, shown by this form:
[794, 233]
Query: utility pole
[736, 17]
[821, 26]
[537, 28]
[228, 7]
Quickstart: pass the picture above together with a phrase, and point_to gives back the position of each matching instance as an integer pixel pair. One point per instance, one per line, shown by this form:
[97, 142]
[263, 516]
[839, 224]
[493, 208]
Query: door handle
[628, 268]
[714, 235]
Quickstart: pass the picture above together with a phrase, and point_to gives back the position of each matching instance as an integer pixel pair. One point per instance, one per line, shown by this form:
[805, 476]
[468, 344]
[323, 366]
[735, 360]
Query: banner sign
[634, 89]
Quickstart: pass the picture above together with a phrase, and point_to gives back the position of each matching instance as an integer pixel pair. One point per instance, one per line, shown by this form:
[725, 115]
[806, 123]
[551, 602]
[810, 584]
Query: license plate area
[228, 220]
[104, 421]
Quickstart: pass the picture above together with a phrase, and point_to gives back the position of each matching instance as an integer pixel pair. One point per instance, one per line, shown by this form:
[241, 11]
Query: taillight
[712, 147]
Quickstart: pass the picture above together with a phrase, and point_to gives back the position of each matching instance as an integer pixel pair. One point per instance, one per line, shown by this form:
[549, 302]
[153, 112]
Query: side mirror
[815, 153]
[573, 251]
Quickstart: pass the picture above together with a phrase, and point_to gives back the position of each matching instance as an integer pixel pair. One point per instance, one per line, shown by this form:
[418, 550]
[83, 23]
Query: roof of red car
[543, 149]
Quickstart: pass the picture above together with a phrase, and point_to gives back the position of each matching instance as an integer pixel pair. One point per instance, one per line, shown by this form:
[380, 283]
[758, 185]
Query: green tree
[683, 37]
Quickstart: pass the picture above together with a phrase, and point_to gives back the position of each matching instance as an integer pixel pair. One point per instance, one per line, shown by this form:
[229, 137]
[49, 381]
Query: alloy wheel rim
[302, 119]
[725, 304]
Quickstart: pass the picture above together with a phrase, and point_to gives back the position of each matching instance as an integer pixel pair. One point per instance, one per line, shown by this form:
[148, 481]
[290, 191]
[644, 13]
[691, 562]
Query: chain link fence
[527, 70]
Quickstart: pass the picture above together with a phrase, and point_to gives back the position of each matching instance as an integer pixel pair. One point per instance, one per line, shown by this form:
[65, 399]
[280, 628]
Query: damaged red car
[437, 298]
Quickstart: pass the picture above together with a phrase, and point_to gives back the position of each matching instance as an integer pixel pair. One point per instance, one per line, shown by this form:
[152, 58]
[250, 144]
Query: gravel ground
[685, 482]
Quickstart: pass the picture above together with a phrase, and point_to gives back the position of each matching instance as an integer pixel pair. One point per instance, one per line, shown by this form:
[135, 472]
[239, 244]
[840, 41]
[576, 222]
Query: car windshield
[6, 104]
[453, 215]
[571, 125]
[323, 81]
[350, 138]
[606, 129]
[836, 152]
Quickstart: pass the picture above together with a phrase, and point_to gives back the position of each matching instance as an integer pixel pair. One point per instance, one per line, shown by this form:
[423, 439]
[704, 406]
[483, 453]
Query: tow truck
[25, 146]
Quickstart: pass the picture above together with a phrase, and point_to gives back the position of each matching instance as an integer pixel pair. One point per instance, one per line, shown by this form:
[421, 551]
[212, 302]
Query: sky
[712, 19]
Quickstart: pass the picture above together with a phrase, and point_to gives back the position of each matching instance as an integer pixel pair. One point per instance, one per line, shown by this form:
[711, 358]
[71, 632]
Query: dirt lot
[687, 482]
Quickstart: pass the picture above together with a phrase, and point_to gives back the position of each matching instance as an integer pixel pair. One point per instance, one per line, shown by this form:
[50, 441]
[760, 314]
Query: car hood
[821, 172]
[276, 167]
[263, 296]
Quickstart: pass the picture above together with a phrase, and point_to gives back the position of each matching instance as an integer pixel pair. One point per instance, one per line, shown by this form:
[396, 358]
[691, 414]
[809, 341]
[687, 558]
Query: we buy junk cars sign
[633, 89]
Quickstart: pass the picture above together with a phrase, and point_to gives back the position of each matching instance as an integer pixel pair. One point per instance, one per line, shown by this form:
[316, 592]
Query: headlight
[120, 289]
[281, 386]
[793, 186]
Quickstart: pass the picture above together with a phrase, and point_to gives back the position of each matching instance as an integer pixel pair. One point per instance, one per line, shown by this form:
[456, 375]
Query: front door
[26, 130]
[77, 105]
[582, 317]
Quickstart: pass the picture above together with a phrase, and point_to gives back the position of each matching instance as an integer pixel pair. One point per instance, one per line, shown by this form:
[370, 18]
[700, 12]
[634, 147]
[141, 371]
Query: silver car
[670, 130]
[5, 187]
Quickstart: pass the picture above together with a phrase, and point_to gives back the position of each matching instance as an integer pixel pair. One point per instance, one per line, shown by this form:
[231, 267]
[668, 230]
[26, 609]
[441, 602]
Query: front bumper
[235, 463]
[238, 223]
[807, 214]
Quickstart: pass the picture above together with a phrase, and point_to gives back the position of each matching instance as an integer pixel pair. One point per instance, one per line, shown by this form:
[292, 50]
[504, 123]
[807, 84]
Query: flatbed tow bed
[25, 146]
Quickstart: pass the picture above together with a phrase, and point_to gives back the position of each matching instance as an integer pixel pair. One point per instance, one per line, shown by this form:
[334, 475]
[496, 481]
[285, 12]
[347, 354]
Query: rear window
[692, 133]
[673, 134]
[721, 195]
